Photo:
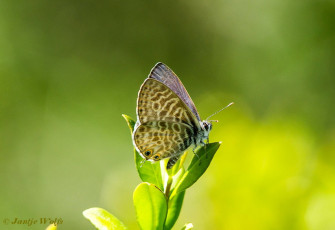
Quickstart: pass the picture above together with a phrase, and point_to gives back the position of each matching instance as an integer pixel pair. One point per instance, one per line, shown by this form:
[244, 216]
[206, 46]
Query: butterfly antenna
[231, 103]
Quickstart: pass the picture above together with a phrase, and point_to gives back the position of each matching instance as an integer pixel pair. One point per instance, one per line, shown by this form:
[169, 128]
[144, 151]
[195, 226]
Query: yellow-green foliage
[68, 69]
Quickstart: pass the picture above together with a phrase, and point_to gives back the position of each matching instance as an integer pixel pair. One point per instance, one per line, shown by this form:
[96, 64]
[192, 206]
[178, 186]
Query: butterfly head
[206, 127]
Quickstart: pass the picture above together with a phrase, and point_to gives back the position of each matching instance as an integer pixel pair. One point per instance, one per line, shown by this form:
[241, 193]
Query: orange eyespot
[156, 157]
[148, 153]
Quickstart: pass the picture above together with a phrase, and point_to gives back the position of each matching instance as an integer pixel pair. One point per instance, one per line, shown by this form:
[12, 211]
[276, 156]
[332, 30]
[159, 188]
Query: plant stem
[168, 186]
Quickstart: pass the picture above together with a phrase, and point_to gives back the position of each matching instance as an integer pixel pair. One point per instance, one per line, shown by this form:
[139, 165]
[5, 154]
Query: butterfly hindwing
[167, 139]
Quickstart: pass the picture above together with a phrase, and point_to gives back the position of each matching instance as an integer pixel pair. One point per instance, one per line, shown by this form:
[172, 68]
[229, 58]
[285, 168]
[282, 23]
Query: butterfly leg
[196, 154]
[172, 161]
[207, 142]
[206, 151]
[205, 146]
[195, 151]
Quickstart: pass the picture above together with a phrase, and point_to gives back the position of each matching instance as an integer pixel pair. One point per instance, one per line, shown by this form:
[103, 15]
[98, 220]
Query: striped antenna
[231, 103]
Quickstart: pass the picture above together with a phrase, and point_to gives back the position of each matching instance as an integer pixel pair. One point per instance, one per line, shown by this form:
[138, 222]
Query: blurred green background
[69, 69]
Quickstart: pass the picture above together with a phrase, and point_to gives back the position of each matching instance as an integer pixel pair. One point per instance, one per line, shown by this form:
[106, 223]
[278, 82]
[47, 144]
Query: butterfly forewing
[156, 102]
[165, 75]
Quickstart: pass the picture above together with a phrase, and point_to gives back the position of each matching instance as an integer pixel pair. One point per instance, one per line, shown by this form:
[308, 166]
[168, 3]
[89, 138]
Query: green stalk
[168, 187]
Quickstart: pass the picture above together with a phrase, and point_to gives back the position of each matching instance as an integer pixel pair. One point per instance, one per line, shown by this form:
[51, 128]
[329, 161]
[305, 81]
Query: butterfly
[168, 122]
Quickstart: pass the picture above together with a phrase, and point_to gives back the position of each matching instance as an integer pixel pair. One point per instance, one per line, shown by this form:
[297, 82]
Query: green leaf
[148, 171]
[197, 167]
[130, 122]
[103, 220]
[176, 179]
[151, 206]
[188, 226]
[51, 227]
[175, 205]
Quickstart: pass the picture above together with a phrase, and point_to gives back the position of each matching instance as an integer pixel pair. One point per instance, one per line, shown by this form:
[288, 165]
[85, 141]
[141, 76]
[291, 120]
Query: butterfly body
[167, 120]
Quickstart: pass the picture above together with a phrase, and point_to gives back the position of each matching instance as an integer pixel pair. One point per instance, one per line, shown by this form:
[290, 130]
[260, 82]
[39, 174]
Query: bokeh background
[69, 69]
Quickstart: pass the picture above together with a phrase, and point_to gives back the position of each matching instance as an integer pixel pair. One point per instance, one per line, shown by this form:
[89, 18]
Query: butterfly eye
[206, 126]
[156, 157]
[148, 153]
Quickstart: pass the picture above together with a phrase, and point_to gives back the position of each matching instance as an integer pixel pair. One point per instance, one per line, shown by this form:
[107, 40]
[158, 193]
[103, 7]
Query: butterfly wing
[167, 120]
[162, 138]
[165, 75]
[157, 102]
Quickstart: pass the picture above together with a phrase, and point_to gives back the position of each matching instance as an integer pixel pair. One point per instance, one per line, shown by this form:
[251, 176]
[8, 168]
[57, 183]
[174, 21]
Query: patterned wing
[156, 140]
[165, 75]
[156, 102]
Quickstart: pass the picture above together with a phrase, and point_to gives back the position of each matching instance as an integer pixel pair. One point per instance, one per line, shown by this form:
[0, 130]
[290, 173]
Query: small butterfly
[168, 122]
